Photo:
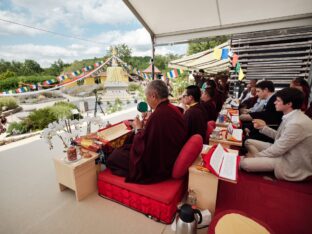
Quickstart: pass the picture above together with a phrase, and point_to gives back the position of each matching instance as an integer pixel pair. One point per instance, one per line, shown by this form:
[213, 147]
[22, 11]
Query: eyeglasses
[185, 95]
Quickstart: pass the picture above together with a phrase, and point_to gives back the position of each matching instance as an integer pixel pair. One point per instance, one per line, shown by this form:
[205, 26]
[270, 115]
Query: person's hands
[258, 123]
[245, 117]
[137, 123]
[244, 111]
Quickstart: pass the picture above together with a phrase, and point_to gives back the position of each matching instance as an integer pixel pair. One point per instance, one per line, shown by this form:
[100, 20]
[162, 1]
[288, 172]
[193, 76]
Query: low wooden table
[224, 142]
[79, 176]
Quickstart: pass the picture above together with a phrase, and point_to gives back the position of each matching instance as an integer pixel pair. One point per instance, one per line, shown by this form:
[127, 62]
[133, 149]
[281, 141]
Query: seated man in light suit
[290, 156]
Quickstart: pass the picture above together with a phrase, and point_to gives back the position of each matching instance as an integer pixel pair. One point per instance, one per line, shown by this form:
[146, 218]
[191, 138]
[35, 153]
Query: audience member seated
[218, 97]
[195, 117]
[151, 156]
[252, 104]
[290, 155]
[265, 91]
[200, 78]
[247, 93]
[209, 104]
[308, 112]
[301, 84]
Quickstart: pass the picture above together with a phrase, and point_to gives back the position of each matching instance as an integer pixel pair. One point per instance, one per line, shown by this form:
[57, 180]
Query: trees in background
[123, 51]
[198, 46]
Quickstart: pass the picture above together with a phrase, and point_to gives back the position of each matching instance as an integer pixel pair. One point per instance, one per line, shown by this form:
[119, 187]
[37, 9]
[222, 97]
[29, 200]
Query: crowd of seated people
[275, 126]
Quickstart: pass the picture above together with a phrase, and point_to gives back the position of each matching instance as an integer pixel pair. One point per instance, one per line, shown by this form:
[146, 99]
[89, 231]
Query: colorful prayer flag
[231, 53]
[76, 73]
[241, 74]
[97, 64]
[234, 59]
[238, 66]
[217, 53]
[225, 53]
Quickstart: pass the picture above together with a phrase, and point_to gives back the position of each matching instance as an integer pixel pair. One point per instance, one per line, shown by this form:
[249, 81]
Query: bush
[67, 104]
[40, 119]
[133, 87]
[9, 102]
[17, 128]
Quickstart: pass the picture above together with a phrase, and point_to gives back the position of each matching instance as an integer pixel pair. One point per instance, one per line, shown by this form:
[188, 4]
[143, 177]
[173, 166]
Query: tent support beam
[153, 56]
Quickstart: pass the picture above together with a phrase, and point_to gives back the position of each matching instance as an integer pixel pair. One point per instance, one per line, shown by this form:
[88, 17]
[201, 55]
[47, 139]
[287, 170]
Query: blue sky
[107, 22]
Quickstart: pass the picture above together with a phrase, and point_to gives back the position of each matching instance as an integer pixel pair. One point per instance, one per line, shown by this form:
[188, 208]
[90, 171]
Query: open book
[113, 132]
[234, 134]
[222, 163]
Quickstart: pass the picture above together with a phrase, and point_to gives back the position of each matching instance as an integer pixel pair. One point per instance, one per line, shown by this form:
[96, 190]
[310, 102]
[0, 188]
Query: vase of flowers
[68, 130]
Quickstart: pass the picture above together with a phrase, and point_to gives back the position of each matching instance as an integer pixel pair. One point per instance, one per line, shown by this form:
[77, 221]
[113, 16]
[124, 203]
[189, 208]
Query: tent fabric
[149, 69]
[203, 60]
[178, 21]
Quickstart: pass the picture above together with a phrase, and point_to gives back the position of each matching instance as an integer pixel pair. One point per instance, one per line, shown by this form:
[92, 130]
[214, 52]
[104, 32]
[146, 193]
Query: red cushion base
[286, 207]
[157, 200]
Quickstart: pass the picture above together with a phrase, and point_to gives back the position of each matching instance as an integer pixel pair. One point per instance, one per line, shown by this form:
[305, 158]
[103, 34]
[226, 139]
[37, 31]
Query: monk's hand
[137, 123]
[258, 123]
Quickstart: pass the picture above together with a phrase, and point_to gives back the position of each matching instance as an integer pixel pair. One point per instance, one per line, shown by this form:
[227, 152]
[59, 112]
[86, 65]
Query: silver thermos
[186, 221]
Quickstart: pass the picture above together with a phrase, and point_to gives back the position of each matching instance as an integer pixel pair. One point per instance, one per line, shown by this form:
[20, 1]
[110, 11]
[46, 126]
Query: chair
[211, 125]
[158, 201]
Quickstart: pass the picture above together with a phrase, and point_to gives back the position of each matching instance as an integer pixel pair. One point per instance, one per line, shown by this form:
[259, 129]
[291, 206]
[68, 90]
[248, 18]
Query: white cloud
[78, 11]
[138, 39]
[45, 55]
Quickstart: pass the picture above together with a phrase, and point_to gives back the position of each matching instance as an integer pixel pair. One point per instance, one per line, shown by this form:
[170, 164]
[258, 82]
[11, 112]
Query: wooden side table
[205, 186]
[224, 142]
[79, 176]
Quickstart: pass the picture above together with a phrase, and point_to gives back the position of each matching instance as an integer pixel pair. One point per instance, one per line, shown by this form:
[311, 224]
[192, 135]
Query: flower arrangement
[67, 130]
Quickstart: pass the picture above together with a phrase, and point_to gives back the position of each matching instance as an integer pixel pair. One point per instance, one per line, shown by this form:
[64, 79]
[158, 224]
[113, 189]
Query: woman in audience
[302, 84]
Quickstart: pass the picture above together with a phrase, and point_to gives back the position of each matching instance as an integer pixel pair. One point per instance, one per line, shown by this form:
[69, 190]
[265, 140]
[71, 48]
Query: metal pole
[153, 57]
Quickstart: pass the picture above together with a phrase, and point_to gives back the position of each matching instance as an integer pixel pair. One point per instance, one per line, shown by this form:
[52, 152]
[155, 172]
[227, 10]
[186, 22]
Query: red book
[222, 163]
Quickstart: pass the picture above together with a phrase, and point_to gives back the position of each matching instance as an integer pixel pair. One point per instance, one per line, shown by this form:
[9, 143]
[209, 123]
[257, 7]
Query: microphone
[142, 107]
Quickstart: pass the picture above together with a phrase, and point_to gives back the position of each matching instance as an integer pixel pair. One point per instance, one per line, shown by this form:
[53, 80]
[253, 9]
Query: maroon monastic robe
[155, 149]
[195, 120]
[210, 109]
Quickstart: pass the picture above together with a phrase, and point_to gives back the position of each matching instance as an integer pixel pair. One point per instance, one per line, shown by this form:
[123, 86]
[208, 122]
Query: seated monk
[290, 155]
[152, 154]
[195, 116]
[209, 104]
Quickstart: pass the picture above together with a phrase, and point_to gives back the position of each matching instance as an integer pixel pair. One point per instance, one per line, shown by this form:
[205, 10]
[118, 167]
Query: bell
[186, 221]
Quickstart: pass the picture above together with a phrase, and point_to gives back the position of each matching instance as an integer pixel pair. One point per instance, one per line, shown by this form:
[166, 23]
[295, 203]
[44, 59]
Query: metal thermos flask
[186, 221]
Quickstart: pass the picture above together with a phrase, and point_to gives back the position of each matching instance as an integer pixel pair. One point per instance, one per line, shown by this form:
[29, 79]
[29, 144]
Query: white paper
[235, 119]
[229, 166]
[217, 158]
[114, 132]
[237, 134]
[230, 129]
[234, 103]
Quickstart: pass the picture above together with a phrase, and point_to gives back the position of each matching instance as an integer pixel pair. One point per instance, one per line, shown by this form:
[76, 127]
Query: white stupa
[116, 83]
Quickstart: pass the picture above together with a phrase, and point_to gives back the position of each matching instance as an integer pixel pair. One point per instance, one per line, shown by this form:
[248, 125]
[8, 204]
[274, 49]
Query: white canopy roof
[203, 60]
[176, 21]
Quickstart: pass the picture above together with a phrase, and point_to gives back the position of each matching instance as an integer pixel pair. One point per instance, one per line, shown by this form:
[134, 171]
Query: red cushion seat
[156, 200]
[164, 191]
